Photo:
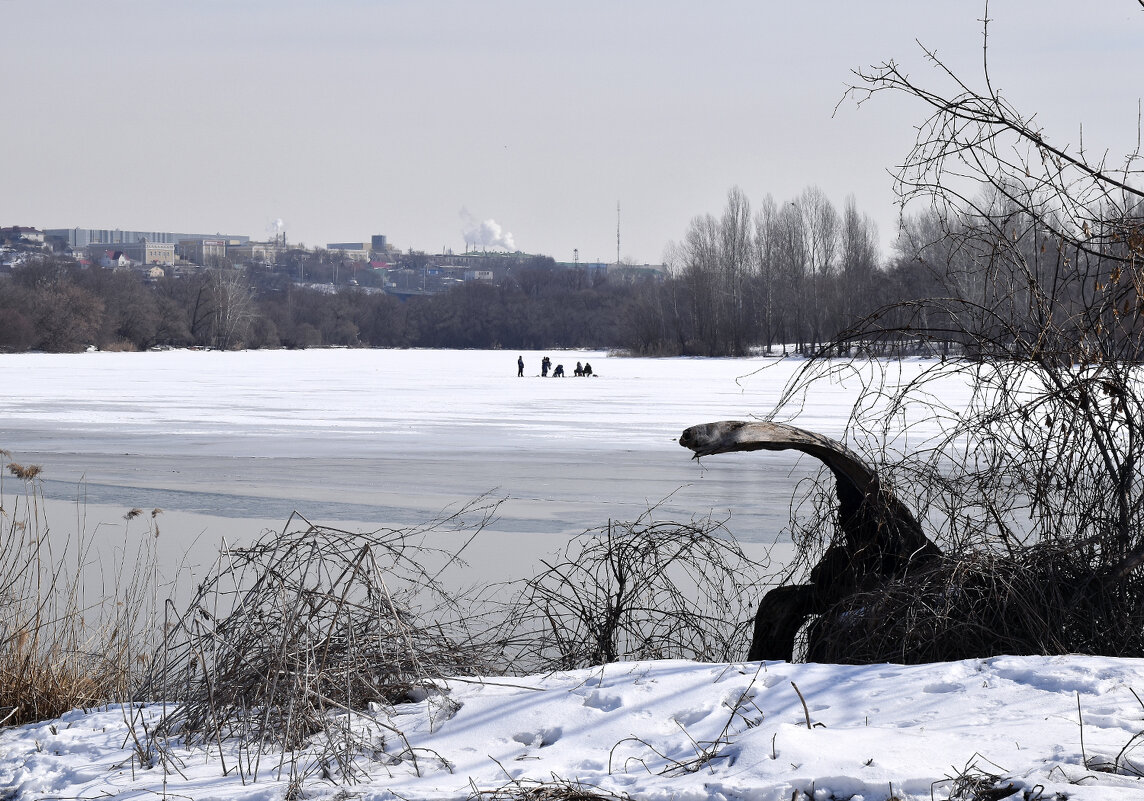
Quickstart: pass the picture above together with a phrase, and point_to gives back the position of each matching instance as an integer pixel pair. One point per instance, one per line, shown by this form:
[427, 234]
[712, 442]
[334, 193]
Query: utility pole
[617, 233]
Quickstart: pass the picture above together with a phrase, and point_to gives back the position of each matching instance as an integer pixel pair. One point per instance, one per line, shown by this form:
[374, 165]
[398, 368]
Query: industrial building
[82, 238]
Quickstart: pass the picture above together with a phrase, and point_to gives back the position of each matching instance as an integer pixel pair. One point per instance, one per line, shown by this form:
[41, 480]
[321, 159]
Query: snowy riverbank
[674, 730]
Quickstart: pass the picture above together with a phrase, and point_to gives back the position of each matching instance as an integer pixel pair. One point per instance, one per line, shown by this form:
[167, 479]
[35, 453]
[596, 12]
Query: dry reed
[59, 648]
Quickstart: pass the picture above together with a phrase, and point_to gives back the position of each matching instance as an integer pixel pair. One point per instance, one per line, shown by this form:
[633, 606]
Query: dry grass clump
[972, 783]
[300, 637]
[555, 790]
[1051, 598]
[638, 590]
[60, 649]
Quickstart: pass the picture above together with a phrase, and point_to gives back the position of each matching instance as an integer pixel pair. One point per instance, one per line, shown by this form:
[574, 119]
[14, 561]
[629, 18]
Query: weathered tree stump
[880, 538]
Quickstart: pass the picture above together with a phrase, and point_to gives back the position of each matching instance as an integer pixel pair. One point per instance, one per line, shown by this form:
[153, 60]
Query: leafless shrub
[1049, 598]
[299, 638]
[637, 590]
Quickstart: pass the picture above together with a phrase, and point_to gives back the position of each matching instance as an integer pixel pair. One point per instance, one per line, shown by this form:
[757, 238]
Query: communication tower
[617, 233]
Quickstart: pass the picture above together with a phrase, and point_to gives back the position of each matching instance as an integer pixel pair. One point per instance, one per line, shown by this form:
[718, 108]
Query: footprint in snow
[590, 764]
[539, 739]
[690, 717]
[603, 701]
[943, 687]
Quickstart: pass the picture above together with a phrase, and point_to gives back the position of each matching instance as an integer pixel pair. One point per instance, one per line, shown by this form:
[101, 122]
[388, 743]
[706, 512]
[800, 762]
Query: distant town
[785, 279]
[373, 265]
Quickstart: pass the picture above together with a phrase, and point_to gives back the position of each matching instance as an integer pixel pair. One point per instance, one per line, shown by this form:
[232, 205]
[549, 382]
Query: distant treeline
[795, 274]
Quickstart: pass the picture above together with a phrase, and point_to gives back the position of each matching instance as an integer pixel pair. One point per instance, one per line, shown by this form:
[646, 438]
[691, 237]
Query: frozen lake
[229, 443]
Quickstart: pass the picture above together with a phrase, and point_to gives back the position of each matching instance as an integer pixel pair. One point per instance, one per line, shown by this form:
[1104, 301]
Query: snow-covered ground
[1053, 728]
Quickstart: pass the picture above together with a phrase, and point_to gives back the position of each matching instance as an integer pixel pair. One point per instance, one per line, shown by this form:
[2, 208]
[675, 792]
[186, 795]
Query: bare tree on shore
[1035, 256]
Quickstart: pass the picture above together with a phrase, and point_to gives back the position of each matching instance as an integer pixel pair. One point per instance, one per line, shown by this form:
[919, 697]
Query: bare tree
[771, 313]
[697, 263]
[233, 307]
[858, 262]
[792, 268]
[820, 226]
[1037, 252]
[716, 261]
[737, 264]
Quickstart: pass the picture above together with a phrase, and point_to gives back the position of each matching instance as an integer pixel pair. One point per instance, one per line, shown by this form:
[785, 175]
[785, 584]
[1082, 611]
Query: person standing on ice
[545, 363]
[519, 366]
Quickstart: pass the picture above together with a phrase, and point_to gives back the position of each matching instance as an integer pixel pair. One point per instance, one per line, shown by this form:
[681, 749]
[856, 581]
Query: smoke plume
[485, 234]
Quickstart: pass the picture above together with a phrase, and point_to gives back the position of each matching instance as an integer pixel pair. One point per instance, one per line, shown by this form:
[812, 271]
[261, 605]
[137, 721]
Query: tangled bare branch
[1033, 486]
[638, 590]
[300, 637]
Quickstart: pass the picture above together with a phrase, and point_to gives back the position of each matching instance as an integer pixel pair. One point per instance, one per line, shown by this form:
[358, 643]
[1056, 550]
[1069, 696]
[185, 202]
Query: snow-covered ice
[229, 444]
[679, 730]
[389, 435]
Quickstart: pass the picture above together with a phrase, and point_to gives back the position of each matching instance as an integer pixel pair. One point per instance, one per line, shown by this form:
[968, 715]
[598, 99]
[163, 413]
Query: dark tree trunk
[880, 539]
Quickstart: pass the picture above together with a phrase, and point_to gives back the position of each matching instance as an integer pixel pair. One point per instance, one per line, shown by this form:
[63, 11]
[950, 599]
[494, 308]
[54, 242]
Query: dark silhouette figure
[519, 366]
[579, 370]
[558, 372]
[587, 370]
[545, 363]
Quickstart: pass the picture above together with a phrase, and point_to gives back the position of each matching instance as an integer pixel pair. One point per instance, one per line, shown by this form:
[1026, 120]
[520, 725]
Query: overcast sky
[418, 119]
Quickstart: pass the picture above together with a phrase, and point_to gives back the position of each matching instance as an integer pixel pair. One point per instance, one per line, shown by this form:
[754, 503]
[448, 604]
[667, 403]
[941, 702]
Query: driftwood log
[879, 538]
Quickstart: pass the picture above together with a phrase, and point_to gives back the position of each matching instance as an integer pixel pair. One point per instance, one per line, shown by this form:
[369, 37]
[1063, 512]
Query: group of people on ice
[584, 369]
